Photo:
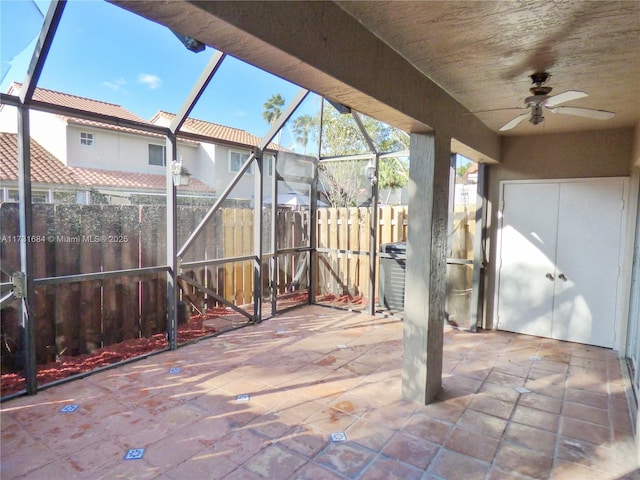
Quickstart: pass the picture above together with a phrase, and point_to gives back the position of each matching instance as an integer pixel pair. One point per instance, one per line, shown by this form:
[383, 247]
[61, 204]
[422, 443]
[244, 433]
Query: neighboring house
[217, 162]
[54, 182]
[51, 181]
[122, 162]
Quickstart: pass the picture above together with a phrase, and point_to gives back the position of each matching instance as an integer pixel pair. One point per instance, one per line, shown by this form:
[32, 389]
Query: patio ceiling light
[179, 173]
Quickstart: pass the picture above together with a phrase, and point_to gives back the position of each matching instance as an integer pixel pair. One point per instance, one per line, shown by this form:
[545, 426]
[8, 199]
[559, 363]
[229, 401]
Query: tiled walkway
[512, 407]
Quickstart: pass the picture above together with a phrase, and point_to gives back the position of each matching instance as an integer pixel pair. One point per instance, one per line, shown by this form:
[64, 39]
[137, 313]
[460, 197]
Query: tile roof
[45, 168]
[80, 103]
[192, 125]
[118, 128]
[96, 177]
[216, 131]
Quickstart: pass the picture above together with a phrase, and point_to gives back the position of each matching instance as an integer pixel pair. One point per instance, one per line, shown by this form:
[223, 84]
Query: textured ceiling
[482, 53]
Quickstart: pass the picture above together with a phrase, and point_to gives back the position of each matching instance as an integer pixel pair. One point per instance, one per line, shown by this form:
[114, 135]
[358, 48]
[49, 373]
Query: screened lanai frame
[24, 284]
[370, 173]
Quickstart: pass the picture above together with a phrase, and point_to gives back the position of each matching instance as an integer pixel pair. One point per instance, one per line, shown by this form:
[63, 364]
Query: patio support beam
[373, 241]
[51, 22]
[172, 247]
[365, 134]
[257, 236]
[27, 300]
[273, 264]
[477, 291]
[313, 241]
[277, 125]
[196, 92]
[425, 291]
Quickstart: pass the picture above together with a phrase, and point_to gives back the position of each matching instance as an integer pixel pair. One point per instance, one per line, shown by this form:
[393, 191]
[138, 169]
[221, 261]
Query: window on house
[82, 198]
[157, 155]
[86, 139]
[13, 195]
[236, 160]
[269, 160]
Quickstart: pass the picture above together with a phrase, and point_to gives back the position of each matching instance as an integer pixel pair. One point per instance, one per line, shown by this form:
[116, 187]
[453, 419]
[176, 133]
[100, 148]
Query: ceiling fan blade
[564, 97]
[499, 109]
[515, 122]
[584, 112]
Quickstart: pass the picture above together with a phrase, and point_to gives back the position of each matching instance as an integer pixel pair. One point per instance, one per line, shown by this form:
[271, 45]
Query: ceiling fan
[540, 99]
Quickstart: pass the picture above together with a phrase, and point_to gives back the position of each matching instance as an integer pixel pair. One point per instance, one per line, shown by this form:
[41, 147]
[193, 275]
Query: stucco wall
[603, 153]
[8, 119]
[120, 151]
[222, 177]
[635, 154]
[49, 131]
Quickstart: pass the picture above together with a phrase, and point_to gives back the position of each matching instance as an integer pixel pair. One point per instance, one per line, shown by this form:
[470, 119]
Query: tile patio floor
[305, 385]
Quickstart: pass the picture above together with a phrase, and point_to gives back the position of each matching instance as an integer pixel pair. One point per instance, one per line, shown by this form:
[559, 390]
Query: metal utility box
[393, 263]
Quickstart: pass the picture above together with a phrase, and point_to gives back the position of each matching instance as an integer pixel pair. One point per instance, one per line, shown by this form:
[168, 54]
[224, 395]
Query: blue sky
[103, 52]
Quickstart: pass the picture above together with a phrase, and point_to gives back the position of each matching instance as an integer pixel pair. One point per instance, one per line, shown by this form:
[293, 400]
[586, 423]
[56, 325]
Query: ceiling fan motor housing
[539, 79]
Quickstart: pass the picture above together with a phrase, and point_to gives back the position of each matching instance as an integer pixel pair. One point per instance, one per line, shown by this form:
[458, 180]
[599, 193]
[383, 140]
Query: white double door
[559, 259]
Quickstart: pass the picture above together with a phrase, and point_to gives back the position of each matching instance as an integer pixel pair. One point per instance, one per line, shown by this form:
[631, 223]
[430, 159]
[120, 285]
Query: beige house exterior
[105, 156]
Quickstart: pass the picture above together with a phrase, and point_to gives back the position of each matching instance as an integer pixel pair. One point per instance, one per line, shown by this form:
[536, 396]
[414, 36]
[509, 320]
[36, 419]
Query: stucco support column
[426, 267]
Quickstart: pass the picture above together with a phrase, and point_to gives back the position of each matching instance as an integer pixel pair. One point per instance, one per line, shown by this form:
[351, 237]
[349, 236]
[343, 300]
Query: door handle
[549, 276]
[562, 277]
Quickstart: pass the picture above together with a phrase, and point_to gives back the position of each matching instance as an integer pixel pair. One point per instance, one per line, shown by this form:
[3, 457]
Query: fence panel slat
[67, 262]
[385, 234]
[332, 257]
[112, 288]
[365, 242]
[90, 291]
[343, 244]
[44, 266]
[229, 251]
[129, 239]
[11, 333]
[321, 242]
[355, 288]
[247, 241]
[153, 299]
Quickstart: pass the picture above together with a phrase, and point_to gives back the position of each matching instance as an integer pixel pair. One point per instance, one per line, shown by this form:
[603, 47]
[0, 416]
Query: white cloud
[152, 81]
[116, 85]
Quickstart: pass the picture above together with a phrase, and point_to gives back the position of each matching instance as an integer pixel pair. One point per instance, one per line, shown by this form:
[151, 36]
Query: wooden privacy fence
[80, 316]
[348, 230]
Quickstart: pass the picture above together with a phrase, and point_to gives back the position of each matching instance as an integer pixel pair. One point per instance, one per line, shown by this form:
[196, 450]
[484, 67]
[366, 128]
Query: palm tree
[302, 127]
[272, 108]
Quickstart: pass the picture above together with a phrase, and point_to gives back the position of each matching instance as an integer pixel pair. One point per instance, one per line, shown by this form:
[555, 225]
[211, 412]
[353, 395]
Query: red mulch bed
[330, 298]
[67, 365]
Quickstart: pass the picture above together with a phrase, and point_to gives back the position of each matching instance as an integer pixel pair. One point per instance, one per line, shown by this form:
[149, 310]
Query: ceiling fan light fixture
[537, 115]
[540, 99]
